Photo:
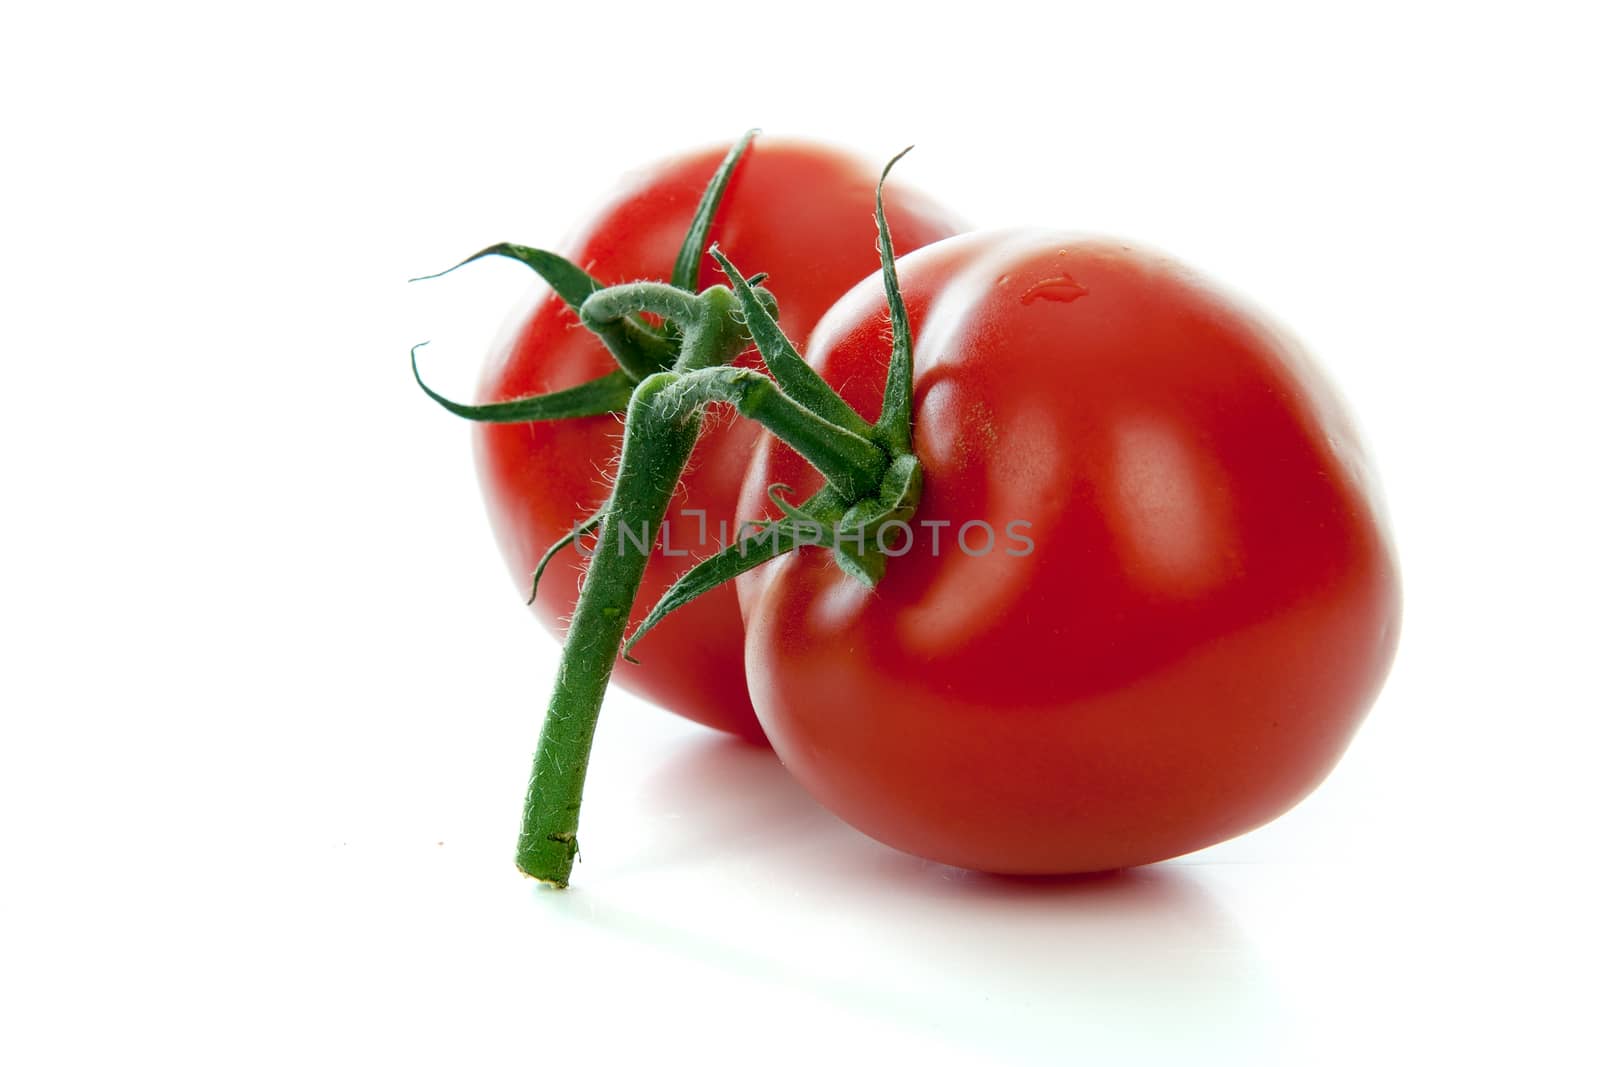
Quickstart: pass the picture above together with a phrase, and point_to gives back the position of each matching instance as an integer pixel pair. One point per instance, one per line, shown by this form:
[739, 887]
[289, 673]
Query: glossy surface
[1208, 609]
[801, 213]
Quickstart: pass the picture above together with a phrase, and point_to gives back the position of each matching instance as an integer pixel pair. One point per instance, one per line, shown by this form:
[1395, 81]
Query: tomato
[1175, 648]
[800, 212]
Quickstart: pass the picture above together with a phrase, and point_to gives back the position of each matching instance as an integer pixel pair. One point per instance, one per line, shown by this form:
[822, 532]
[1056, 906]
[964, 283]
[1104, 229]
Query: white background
[269, 696]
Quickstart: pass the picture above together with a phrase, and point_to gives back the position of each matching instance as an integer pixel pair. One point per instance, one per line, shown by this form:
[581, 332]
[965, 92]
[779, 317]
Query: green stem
[608, 306]
[655, 449]
[660, 435]
[710, 315]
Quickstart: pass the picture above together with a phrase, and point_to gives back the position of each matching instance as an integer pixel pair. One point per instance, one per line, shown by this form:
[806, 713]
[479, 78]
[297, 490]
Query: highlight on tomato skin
[1209, 608]
[799, 212]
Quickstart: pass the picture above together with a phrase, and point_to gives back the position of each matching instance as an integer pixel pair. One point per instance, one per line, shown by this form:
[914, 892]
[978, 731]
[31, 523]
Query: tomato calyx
[639, 348]
[869, 489]
[615, 315]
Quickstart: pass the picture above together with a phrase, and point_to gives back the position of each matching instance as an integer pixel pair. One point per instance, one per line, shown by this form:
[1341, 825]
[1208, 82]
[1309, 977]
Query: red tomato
[1210, 602]
[799, 212]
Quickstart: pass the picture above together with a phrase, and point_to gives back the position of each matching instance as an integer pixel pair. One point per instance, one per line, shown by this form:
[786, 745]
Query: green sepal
[901, 491]
[855, 547]
[806, 515]
[811, 523]
[705, 576]
[894, 422]
[638, 348]
[746, 554]
[686, 271]
[795, 375]
[608, 393]
[850, 462]
[864, 565]
[571, 282]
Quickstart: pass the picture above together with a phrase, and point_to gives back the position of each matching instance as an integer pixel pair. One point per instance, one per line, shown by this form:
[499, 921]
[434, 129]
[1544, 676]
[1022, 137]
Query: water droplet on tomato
[1062, 288]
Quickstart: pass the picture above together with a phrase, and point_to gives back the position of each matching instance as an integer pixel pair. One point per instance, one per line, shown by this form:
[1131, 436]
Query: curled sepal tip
[605, 394]
[571, 282]
[637, 347]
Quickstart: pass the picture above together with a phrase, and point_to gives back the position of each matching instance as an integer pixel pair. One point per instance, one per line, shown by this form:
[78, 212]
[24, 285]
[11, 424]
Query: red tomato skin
[799, 211]
[1209, 609]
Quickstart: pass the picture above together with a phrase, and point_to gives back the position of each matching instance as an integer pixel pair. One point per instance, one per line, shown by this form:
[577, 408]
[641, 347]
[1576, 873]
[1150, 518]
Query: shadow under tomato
[757, 878]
